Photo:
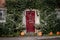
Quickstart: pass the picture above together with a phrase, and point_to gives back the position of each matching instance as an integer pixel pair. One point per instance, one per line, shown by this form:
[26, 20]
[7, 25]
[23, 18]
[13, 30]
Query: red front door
[30, 21]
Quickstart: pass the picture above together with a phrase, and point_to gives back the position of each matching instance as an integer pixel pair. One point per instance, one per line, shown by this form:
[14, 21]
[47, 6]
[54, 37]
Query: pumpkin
[57, 33]
[51, 33]
[22, 34]
[39, 33]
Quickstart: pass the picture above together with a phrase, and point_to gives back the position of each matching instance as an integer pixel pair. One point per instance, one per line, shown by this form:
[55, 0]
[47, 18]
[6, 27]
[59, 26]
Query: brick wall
[2, 3]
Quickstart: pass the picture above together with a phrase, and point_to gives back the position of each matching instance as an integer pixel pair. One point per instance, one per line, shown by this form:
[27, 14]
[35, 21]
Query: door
[30, 21]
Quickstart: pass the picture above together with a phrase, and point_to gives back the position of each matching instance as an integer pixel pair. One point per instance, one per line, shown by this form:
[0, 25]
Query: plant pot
[39, 34]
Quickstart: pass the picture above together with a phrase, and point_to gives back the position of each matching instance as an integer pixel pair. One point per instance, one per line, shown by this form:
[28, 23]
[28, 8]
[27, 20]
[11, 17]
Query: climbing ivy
[15, 10]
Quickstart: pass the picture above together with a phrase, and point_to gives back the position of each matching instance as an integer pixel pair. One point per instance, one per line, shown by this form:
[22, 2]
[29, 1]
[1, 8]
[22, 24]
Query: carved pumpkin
[57, 33]
[51, 33]
[22, 33]
[39, 33]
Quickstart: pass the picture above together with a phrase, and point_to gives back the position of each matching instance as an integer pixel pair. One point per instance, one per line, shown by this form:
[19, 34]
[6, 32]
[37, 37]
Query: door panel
[30, 21]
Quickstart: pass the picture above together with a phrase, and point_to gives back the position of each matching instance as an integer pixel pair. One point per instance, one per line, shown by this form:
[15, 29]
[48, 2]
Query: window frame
[3, 10]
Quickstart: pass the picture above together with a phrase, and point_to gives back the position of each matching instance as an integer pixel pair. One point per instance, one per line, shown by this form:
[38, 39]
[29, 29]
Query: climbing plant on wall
[48, 16]
[15, 10]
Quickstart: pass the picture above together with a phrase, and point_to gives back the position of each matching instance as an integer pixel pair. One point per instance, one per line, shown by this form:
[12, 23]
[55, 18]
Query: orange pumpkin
[51, 33]
[57, 33]
[22, 33]
[39, 33]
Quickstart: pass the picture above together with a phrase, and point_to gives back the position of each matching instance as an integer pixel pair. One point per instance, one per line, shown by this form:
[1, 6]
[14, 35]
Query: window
[58, 13]
[2, 15]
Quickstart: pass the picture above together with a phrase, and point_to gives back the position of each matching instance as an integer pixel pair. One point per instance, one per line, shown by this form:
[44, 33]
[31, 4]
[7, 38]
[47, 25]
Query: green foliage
[57, 28]
[15, 8]
[48, 16]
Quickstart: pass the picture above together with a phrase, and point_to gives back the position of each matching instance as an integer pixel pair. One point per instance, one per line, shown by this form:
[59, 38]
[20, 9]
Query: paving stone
[29, 38]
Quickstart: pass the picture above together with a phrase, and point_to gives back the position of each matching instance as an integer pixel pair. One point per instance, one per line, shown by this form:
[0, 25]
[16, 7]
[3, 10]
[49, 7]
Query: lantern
[22, 33]
[57, 33]
[51, 33]
[39, 33]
